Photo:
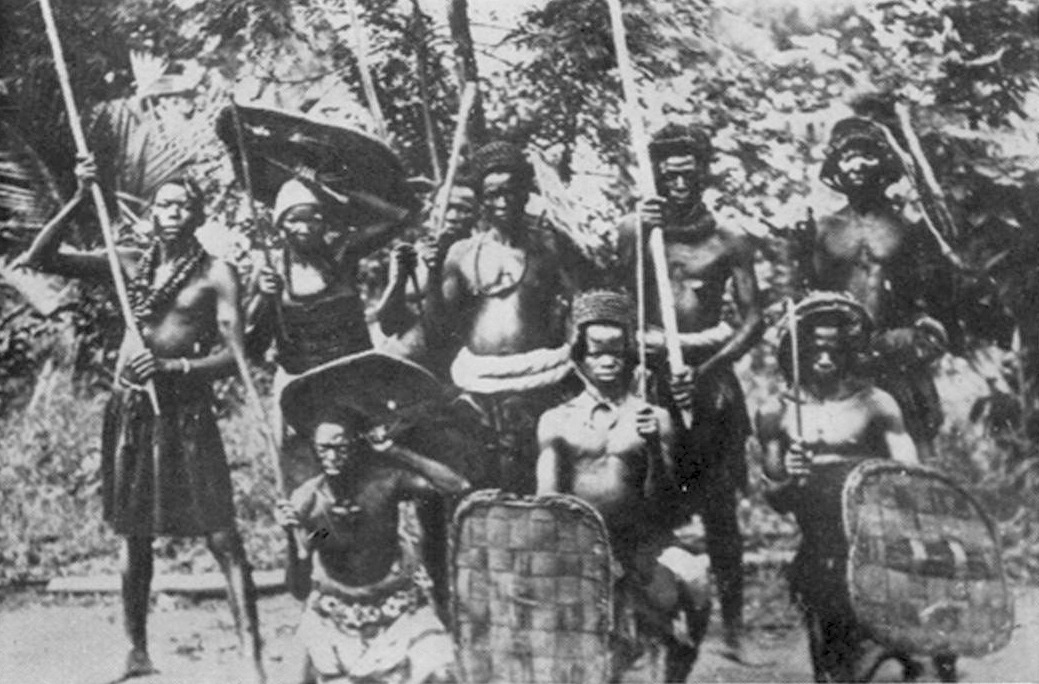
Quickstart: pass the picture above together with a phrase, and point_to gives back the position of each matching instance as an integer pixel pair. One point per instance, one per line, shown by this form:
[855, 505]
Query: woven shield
[924, 571]
[532, 589]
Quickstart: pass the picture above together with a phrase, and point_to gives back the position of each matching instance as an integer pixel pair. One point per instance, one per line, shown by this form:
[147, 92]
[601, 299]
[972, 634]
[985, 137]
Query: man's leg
[227, 547]
[137, 566]
[725, 549]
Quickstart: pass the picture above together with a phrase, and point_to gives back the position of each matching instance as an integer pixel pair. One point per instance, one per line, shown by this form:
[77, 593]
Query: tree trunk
[465, 57]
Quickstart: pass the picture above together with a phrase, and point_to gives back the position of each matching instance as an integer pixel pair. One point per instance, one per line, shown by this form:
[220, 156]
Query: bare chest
[867, 239]
[834, 426]
[494, 269]
[696, 265]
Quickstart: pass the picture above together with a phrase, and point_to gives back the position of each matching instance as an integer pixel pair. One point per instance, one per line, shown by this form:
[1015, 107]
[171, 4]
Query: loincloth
[713, 449]
[386, 635]
[536, 369]
[167, 474]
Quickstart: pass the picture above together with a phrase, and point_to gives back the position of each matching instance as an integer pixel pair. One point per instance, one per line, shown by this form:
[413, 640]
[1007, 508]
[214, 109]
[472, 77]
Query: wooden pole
[252, 397]
[123, 297]
[647, 188]
[365, 67]
[457, 142]
[421, 61]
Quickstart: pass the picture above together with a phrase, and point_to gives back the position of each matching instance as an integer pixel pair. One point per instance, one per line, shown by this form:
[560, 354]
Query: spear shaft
[647, 188]
[118, 278]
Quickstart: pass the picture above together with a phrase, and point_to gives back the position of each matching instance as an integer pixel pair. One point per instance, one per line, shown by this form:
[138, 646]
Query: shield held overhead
[336, 159]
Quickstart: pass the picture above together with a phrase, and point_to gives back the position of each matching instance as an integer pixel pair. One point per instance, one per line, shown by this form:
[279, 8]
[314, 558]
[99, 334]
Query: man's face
[461, 210]
[304, 225]
[827, 359]
[171, 212]
[502, 200]
[681, 178]
[336, 445]
[604, 359]
[859, 168]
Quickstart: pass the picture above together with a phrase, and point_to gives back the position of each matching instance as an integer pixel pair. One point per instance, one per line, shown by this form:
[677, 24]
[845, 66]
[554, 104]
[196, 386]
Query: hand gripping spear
[118, 278]
[647, 188]
[795, 373]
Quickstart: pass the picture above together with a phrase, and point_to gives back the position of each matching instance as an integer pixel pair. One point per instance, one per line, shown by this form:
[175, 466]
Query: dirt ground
[46, 639]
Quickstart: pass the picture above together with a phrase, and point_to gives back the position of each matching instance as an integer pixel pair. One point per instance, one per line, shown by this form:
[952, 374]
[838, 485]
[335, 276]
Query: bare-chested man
[868, 250]
[614, 450]
[369, 615]
[308, 302]
[843, 420]
[501, 299]
[703, 258]
[400, 312]
[167, 474]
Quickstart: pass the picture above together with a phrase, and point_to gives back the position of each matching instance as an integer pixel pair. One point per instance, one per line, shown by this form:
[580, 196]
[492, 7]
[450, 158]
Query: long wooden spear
[118, 279]
[365, 67]
[419, 35]
[647, 188]
[457, 142]
[795, 373]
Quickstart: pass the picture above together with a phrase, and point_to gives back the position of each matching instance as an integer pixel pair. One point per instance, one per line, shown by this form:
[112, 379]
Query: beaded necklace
[146, 298]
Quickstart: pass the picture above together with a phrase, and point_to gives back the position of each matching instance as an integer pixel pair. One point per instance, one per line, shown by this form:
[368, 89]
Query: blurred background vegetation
[769, 78]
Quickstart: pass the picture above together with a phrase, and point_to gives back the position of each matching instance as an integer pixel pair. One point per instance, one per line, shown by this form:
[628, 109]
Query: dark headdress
[679, 140]
[831, 309]
[501, 156]
[861, 134]
[601, 306]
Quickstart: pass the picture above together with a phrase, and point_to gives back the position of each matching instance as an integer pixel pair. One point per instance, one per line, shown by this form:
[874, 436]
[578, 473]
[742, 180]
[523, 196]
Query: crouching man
[614, 450]
[368, 615]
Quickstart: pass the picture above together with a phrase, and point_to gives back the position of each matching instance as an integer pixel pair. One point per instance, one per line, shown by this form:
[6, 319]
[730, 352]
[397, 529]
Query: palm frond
[28, 194]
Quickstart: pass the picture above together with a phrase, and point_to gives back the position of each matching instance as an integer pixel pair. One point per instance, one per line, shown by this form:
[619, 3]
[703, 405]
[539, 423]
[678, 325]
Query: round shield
[335, 159]
[373, 384]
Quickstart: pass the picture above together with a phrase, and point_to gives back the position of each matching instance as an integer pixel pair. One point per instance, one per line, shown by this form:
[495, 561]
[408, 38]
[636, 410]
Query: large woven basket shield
[532, 589]
[924, 570]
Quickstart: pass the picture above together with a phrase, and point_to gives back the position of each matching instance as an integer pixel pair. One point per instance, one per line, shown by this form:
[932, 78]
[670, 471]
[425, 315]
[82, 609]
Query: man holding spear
[701, 257]
[164, 471]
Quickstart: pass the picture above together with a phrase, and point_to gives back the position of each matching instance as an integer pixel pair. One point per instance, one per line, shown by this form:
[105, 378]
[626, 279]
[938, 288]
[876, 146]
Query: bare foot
[138, 664]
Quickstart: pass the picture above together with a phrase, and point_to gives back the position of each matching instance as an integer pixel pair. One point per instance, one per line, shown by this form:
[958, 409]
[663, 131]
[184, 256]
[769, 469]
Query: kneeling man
[369, 615]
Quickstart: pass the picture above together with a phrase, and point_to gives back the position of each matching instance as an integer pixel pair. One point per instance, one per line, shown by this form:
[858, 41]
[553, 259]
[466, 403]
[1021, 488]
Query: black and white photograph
[519, 342]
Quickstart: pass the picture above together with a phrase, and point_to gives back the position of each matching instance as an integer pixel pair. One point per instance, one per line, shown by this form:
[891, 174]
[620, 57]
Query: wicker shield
[532, 589]
[924, 570]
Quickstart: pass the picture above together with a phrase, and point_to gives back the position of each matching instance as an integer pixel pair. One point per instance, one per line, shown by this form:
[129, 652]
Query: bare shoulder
[304, 496]
[881, 403]
[738, 243]
[458, 251]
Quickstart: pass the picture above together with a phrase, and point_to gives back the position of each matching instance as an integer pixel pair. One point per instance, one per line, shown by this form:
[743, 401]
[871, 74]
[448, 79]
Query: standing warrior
[308, 301]
[167, 474]
[869, 251]
[369, 615]
[613, 450]
[810, 447]
[500, 295]
[702, 257]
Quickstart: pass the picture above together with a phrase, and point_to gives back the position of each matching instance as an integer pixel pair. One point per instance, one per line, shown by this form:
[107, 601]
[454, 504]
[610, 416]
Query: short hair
[196, 200]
